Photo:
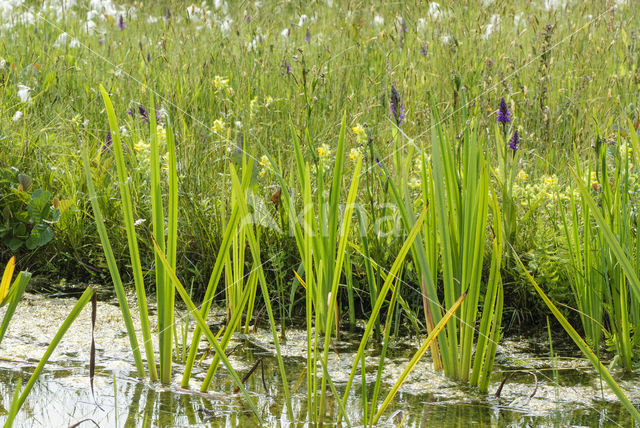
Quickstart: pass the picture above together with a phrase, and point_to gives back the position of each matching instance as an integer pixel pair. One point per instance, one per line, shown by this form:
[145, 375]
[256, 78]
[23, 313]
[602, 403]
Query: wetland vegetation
[319, 213]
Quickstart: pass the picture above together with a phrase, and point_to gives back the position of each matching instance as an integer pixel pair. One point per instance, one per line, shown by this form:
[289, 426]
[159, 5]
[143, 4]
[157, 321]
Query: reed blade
[586, 350]
[414, 361]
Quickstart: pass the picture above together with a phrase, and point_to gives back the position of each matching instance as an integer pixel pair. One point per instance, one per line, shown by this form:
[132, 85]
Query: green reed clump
[322, 244]
[584, 347]
[165, 251]
[605, 258]
[455, 184]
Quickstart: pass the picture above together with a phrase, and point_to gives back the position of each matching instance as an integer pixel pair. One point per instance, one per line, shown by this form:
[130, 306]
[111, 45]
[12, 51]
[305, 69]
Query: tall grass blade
[113, 267]
[254, 247]
[586, 350]
[132, 240]
[75, 311]
[418, 355]
[13, 298]
[164, 291]
[610, 237]
[205, 328]
[391, 277]
[13, 409]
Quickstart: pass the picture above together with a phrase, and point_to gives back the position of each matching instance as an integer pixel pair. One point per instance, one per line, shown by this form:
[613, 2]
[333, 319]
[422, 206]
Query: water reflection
[62, 396]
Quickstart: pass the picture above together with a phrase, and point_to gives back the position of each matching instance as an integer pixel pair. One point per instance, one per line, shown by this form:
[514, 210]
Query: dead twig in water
[77, 424]
[507, 377]
[253, 369]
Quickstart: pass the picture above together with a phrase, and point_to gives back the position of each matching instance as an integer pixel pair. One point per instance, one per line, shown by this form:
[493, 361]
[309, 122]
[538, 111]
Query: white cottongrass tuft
[434, 11]
[492, 26]
[24, 93]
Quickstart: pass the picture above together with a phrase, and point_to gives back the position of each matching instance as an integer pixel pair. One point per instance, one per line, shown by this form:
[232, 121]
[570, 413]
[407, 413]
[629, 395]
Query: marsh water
[535, 395]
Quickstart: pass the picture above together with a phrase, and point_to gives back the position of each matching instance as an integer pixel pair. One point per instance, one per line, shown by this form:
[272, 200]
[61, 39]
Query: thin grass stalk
[441, 174]
[210, 292]
[491, 302]
[342, 249]
[554, 365]
[349, 277]
[163, 289]
[13, 409]
[473, 250]
[430, 234]
[391, 276]
[75, 311]
[132, 240]
[610, 238]
[496, 334]
[113, 268]
[172, 216]
[334, 391]
[231, 327]
[254, 247]
[308, 269]
[581, 262]
[383, 353]
[429, 292]
[205, 329]
[364, 395]
[418, 355]
[371, 278]
[334, 200]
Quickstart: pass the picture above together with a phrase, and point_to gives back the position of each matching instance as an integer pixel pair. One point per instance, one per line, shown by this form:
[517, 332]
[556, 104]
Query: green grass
[277, 176]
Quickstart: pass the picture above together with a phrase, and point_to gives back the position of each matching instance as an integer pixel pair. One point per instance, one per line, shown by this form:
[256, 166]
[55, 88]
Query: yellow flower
[162, 134]
[354, 154]
[624, 149]
[141, 147]
[522, 177]
[358, 129]
[218, 126]
[413, 183]
[594, 178]
[165, 162]
[268, 101]
[221, 84]
[551, 180]
[324, 151]
[265, 165]
[361, 133]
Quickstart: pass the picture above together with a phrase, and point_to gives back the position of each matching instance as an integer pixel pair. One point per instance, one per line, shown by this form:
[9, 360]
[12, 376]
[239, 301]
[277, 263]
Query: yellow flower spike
[218, 126]
[354, 154]
[141, 146]
[6, 278]
[265, 165]
[162, 134]
[358, 129]
[414, 183]
[324, 150]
